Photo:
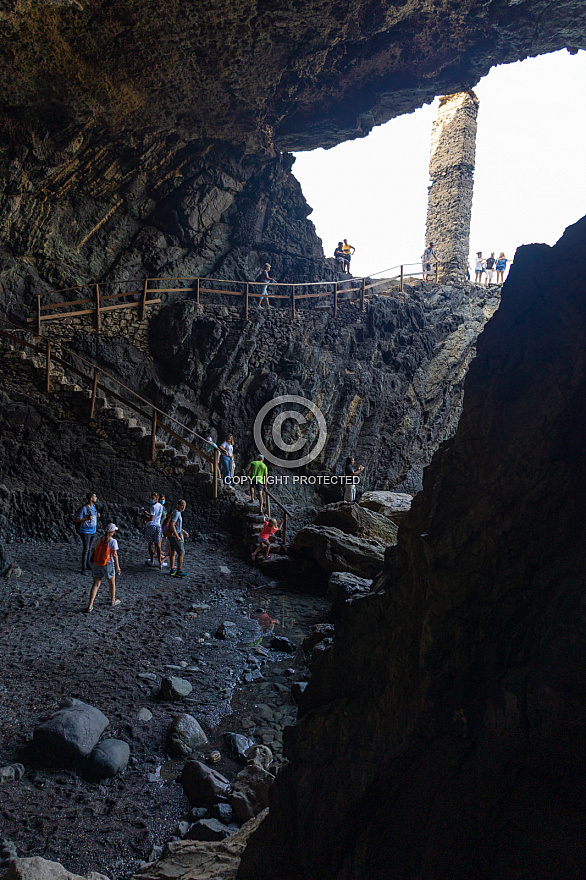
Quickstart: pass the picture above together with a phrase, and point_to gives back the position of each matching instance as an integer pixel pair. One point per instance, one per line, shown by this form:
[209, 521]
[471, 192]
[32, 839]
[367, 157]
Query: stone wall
[451, 168]
[120, 323]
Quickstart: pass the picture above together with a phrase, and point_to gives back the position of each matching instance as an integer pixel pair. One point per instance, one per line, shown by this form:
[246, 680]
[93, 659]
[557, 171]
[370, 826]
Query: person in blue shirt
[87, 520]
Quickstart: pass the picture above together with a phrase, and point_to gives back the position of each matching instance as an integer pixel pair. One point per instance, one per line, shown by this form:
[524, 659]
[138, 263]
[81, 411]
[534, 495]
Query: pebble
[147, 676]
[145, 715]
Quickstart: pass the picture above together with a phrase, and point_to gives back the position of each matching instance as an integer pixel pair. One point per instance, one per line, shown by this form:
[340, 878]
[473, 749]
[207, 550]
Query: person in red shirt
[264, 539]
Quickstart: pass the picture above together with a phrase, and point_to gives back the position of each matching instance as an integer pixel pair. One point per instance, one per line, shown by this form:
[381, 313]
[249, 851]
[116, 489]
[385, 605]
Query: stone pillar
[451, 168]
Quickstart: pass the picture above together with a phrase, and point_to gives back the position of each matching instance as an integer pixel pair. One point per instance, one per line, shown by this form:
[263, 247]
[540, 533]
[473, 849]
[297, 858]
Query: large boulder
[394, 505]
[333, 550]
[109, 758]
[184, 736]
[343, 586]
[72, 731]
[36, 868]
[250, 794]
[202, 785]
[355, 520]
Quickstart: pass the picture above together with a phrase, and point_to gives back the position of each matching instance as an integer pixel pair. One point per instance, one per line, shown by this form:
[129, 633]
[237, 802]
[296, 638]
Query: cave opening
[529, 178]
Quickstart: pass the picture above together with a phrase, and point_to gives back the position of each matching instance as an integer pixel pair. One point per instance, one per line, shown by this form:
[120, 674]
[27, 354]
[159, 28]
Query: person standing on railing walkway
[348, 250]
[226, 458]
[87, 524]
[478, 268]
[266, 279]
[426, 257]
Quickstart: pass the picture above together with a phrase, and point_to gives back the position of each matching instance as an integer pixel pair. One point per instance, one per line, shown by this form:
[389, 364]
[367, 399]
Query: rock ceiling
[263, 75]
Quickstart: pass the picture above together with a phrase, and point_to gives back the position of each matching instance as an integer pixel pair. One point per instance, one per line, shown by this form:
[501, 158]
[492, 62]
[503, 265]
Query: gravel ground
[52, 650]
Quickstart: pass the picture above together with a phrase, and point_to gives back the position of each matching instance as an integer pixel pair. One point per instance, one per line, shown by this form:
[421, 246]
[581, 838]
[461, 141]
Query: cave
[145, 160]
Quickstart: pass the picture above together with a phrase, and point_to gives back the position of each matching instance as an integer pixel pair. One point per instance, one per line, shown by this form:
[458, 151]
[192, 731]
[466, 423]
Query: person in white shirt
[226, 458]
[152, 529]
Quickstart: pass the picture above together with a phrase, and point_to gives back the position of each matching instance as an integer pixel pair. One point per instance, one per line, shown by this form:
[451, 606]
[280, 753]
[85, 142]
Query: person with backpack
[265, 279]
[426, 257]
[152, 529]
[177, 540]
[86, 523]
[105, 564]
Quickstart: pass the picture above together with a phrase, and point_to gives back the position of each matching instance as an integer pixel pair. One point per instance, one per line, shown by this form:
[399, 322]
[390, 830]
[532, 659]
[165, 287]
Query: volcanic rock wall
[75, 211]
[442, 735]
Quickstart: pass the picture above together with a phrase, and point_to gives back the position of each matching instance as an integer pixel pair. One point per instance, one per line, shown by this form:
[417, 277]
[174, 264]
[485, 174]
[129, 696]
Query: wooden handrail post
[292, 301]
[154, 436]
[436, 270]
[216, 472]
[336, 300]
[94, 393]
[197, 291]
[401, 281]
[362, 294]
[246, 291]
[39, 314]
[268, 497]
[143, 299]
[48, 369]
[98, 316]
[284, 530]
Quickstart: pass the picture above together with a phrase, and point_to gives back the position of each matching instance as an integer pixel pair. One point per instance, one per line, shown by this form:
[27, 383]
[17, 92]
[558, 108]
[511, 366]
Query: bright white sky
[530, 179]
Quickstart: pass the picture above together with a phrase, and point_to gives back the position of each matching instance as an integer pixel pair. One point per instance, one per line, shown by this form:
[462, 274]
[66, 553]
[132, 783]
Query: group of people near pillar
[102, 559]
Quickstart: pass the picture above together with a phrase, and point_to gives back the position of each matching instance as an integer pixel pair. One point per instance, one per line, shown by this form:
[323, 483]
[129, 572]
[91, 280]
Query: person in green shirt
[257, 473]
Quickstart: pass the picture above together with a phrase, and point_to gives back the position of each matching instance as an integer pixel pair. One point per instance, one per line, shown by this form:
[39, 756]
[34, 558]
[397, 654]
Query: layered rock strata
[442, 735]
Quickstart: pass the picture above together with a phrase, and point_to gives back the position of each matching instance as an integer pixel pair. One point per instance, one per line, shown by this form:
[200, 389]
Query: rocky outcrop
[388, 381]
[334, 550]
[358, 521]
[258, 76]
[456, 729]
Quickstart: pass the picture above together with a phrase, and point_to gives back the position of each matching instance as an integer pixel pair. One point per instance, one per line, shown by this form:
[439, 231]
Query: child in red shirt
[264, 539]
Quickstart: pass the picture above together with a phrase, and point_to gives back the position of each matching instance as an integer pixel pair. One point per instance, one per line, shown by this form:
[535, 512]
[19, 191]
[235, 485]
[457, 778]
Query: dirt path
[51, 650]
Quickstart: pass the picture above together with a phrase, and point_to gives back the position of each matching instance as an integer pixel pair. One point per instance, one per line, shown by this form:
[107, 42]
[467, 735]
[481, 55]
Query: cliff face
[442, 735]
[388, 382]
[81, 211]
[261, 75]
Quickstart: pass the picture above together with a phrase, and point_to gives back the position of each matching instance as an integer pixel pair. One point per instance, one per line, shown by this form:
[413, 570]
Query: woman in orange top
[264, 539]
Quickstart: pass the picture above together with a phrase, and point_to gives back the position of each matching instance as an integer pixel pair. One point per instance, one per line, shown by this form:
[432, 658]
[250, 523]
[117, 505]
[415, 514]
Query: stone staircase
[114, 421]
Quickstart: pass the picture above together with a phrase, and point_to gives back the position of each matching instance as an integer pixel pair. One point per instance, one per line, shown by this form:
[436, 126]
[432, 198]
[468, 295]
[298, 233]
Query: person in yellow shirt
[348, 250]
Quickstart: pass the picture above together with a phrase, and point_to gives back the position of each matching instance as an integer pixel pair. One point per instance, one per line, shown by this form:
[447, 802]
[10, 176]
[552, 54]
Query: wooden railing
[154, 416]
[148, 290]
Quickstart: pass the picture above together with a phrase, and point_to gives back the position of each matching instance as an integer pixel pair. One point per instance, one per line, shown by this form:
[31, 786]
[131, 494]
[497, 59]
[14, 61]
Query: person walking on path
[105, 564]
[348, 251]
[226, 458]
[177, 537]
[350, 473]
[257, 472]
[87, 521]
[426, 257]
[152, 529]
[489, 266]
[266, 279]
[501, 265]
[340, 257]
[264, 539]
